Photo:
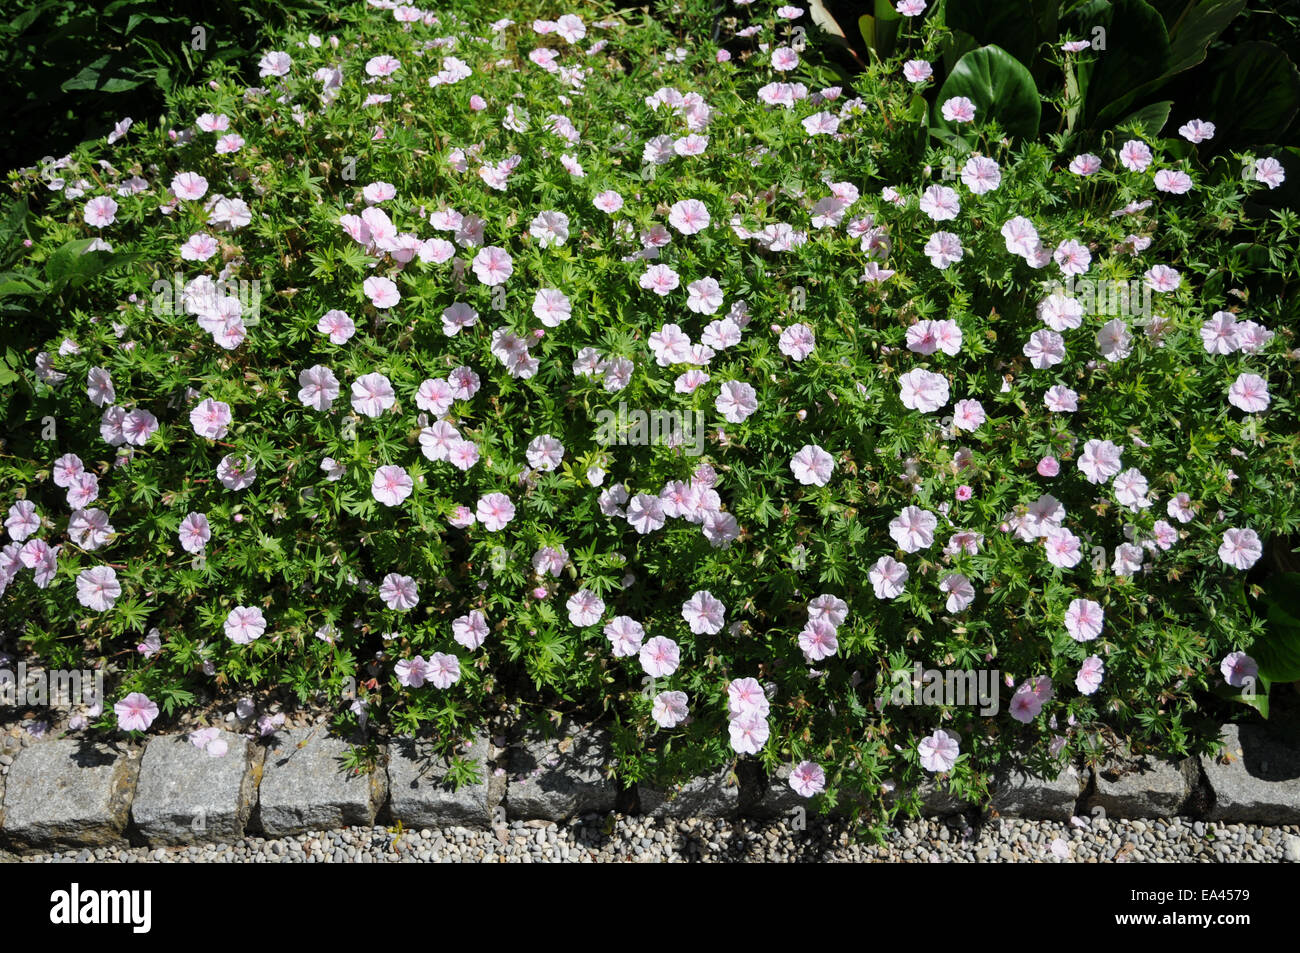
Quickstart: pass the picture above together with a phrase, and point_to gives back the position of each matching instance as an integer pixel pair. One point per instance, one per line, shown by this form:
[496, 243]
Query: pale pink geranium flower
[99, 387]
[940, 203]
[1269, 171]
[443, 670]
[689, 216]
[812, 465]
[1100, 460]
[913, 529]
[736, 401]
[608, 201]
[888, 577]
[704, 296]
[492, 265]
[1072, 257]
[100, 212]
[745, 696]
[670, 709]
[23, 520]
[1045, 349]
[399, 592]
[968, 415]
[910, 8]
[1029, 699]
[135, 712]
[1135, 155]
[138, 426]
[98, 588]
[981, 174]
[704, 613]
[1064, 549]
[1241, 548]
[494, 511]
[1180, 508]
[1249, 392]
[1173, 181]
[382, 292]
[245, 624]
[660, 279]
[958, 109]
[960, 591]
[585, 608]
[807, 779]
[625, 635]
[748, 733]
[235, 473]
[194, 533]
[412, 673]
[319, 388]
[552, 307]
[211, 419]
[830, 608]
[1085, 164]
[943, 249]
[199, 247]
[1239, 669]
[337, 325]
[190, 186]
[1162, 279]
[372, 394]
[938, 752]
[274, 63]
[660, 657]
[551, 229]
[923, 390]
[917, 71]
[1090, 675]
[784, 59]
[1084, 619]
[818, 640]
[1196, 130]
[66, 469]
[797, 341]
[391, 485]
[470, 630]
[544, 453]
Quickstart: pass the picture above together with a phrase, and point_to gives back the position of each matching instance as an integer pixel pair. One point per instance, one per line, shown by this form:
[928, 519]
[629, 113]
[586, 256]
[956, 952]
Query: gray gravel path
[638, 839]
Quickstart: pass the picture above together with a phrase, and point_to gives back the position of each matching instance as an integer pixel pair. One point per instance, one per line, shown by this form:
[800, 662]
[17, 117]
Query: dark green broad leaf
[1011, 23]
[1253, 93]
[1149, 119]
[999, 86]
[1132, 50]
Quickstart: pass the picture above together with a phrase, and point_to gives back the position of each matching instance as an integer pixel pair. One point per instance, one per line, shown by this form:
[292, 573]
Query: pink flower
[913, 529]
[888, 577]
[391, 485]
[736, 401]
[1100, 460]
[494, 511]
[812, 465]
[748, 733]
[98, 588]
[660, 657]
[236, 474]
[1196, 130]
[190, 186]
[412, 673]
[211, 419]
[818, 640]
[669, 709]
[135, 712]
[784, 59]
[938, 752]
[961, 593]
[807, 779]
[608, 201]
[1173, 181]
[1249, 392]
[319, 388]
[958, 109]
[1045, 349]
[100, 212]
[1241, 548]
[797, 341]
[943, 249]
[923, 390]
[940, 203]
[917, 71]
[1090, 674]
[492, 265]
[194, 533]
[372, 394]
[382, 292]
[245, 624]
[399, 592]
[967, 415]
[1135, 155]
[1270, 172]
[337, 325]
[443, 670]
[585, 608]
[23, 520]
[746, 697]
[1239, 669]
[689, 216]
[704, 613]
[544, 453]
[625, 635]
[1048, 467]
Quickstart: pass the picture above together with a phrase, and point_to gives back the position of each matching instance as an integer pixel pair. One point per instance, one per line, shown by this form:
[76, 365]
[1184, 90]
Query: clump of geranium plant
[575, 363]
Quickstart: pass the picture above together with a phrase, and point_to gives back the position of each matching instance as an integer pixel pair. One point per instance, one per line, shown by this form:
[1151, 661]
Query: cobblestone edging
[74, 793]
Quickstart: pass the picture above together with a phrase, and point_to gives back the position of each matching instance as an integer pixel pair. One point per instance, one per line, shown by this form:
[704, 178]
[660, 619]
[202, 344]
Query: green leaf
[1196, 27]
[1150, 119]
[999, 86]
[1010, 22]
[1254, 92]
[1134, 51]
[1278, 652]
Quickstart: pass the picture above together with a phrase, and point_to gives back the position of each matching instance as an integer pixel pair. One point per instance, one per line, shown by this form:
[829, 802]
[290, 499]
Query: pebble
[644, 839]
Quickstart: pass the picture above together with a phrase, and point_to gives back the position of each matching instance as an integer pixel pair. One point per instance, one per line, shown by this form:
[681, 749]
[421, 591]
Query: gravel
[610, 838]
